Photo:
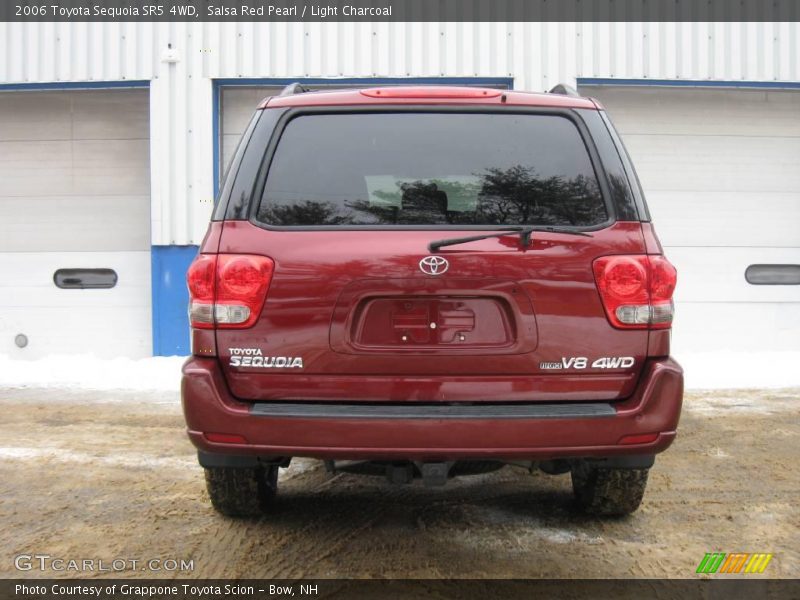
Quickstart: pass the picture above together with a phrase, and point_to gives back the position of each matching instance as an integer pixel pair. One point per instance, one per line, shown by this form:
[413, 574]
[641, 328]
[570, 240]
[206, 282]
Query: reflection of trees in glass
[517, 195]
[307, 212]
[621, 194]
[423, 202]
[366, 213]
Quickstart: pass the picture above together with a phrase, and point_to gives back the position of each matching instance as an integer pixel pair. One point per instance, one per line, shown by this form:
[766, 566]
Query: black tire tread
[241, 492]
[608, 492]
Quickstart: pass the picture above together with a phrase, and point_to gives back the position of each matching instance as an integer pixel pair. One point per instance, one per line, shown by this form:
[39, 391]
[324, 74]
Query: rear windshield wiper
[523, 232]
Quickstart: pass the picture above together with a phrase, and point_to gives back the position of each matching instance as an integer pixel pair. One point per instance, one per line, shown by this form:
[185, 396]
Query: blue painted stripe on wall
[215, 131]
[508, 81]
[171, 299]
[75, 85]
[779, 85]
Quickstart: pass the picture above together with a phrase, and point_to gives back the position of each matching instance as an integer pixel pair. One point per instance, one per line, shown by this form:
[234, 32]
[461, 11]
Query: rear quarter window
[401, 169]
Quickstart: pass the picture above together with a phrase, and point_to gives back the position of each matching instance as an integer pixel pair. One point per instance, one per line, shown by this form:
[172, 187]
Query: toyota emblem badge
[433, 265]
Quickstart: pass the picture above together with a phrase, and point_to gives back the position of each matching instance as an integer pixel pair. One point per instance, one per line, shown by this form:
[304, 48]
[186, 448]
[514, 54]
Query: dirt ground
[102, 475]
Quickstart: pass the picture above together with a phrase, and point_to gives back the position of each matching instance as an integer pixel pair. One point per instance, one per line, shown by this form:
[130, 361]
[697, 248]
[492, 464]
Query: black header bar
[391, 589]
[400, 10]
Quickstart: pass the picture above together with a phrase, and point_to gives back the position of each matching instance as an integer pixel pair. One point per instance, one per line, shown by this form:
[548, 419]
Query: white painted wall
[721, 172]
[536, 55]
[106, 323]
[733, 148]
[74, 193]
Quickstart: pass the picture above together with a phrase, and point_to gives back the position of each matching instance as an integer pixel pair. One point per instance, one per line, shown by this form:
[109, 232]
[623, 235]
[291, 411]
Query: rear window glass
[431, 169]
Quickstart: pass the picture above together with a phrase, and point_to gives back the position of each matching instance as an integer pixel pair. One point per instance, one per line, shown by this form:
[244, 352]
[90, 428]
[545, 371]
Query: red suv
[427, 282]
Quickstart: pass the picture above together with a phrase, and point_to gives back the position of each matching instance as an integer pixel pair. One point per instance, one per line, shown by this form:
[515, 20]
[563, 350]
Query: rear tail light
[227, 291]
[636, 290]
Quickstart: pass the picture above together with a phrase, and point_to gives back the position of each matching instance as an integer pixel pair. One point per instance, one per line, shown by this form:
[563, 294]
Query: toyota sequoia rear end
[426, 282]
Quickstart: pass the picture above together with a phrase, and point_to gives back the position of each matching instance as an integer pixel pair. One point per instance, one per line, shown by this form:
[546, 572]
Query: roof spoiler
[564, 90]
[294, 88]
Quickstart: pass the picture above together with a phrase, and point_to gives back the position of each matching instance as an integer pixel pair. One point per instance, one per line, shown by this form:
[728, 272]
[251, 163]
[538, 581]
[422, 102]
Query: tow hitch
[432, 474]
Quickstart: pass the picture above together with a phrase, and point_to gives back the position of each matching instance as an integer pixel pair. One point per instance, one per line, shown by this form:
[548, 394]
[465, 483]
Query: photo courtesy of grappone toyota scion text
[429, 282]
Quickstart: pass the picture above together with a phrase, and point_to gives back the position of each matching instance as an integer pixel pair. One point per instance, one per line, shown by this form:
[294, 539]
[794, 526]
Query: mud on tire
[241, 492]
[605, 491]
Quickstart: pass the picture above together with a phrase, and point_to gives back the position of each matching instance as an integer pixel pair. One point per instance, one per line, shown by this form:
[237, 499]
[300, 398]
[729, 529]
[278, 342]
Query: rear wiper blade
[523, 232]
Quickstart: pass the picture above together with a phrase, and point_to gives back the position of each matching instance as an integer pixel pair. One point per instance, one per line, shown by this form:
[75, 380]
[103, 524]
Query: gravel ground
[110, 475]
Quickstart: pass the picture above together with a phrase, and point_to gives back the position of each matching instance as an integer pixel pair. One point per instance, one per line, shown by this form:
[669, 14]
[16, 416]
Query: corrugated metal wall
[536, 55]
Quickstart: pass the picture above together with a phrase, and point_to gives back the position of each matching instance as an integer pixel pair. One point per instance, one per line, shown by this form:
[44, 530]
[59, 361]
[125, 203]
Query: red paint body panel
[546, 294]
[210, 242]
[654, 407]
[485, 316]
[353, 317]
[651, 242]
[429, 95]
[659, 342]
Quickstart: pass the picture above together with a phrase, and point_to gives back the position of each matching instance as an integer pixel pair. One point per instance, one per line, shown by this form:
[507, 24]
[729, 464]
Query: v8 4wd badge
[582, 362]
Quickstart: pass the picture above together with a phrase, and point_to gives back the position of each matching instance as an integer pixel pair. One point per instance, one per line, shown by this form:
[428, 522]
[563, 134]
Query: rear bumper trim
[653, 408]
[570, 410]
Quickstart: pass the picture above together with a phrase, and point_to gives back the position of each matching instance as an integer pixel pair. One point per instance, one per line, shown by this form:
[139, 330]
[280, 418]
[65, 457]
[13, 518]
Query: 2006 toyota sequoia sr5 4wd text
[425, 282]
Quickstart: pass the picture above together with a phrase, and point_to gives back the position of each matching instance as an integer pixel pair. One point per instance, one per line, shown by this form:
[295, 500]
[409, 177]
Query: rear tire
[608, 491]
[243, 491]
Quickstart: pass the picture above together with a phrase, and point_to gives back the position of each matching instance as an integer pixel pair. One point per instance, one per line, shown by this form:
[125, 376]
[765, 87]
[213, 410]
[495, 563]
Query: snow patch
[86, 371]
[529, 533]
[133, 460]
[718, 453]
[754, 402]
[298, 466]
[703, 371]
[736, 370]
[564, 536]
